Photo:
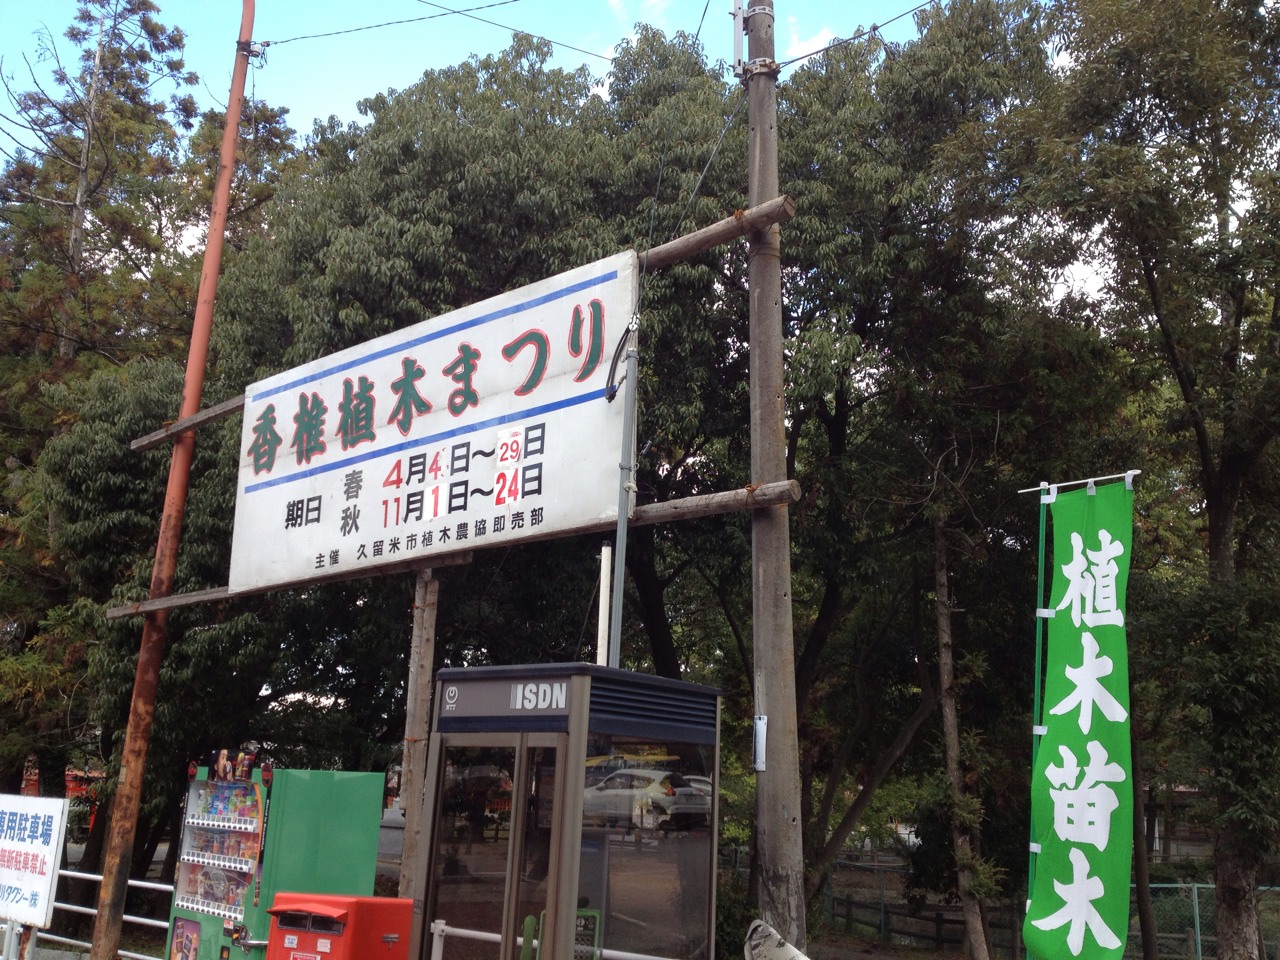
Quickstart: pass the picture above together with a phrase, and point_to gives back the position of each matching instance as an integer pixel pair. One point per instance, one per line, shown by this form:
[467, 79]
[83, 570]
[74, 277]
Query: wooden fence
[942, 928]
[938, 926]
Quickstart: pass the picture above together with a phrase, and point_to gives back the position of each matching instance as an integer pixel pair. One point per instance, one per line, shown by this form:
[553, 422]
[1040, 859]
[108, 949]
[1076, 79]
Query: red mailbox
[315, 926]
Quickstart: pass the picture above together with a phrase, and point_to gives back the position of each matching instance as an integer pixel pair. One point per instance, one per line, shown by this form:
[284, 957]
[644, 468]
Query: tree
[265, 153]
[1163, 139]
[98, 270]
[933, 371]
[91, 163]
[85, 280]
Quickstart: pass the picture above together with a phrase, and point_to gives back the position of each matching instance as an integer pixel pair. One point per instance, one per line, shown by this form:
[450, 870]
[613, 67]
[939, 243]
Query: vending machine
[250, 832]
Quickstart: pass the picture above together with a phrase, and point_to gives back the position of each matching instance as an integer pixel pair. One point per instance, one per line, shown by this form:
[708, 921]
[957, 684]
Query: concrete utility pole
[417, 728]
[778, 836]
[133, 761]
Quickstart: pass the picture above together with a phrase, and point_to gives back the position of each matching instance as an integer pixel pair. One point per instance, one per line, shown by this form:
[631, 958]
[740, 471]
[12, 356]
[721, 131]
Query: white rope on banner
[1052, 488]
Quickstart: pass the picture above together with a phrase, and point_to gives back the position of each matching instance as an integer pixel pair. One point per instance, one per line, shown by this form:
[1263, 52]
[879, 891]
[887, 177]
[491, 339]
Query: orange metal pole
[128, 796]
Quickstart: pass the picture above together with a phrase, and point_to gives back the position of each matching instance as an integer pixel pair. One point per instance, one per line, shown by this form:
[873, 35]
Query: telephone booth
[570, 813]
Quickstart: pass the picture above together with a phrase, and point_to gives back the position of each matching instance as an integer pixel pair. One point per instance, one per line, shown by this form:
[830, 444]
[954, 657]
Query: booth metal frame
[489, 707]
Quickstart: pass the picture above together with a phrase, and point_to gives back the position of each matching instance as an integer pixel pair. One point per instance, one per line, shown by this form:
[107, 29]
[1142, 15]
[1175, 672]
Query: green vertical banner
[1082, 778]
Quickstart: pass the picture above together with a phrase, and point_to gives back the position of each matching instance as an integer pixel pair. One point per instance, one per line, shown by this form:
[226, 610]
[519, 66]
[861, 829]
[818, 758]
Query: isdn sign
[539, 696]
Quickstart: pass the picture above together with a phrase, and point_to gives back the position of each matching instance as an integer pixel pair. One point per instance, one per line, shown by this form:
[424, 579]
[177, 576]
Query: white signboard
[32, 830]
[478, 428]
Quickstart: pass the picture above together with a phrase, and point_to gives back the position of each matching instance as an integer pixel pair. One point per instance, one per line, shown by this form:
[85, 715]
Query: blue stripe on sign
[513, 417]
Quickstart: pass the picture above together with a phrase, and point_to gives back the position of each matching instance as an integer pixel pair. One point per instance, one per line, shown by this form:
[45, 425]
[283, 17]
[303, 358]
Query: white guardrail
[13, 931]
[440, 930]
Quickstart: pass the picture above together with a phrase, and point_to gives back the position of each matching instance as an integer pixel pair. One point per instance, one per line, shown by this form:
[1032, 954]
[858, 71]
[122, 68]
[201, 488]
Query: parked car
[655, 798]
[699, 783]
[600, 767]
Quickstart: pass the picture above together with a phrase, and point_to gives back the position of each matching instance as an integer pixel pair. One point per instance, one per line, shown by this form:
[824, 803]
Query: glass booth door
[493, 843]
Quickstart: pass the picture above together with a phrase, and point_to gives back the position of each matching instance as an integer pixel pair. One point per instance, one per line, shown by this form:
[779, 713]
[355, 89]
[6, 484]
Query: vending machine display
[249, 833]
[220, 847]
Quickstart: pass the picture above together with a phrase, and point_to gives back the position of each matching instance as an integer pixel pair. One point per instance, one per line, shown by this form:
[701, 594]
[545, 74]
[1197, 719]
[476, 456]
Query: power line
[702, 19]
[492, 23]
[860, 35]
[470, 11]
[693, 194]
[390, 23]
[445, 12]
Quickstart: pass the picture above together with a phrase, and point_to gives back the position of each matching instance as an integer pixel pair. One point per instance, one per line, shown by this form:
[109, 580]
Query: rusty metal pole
[778, 836]
[128, 796]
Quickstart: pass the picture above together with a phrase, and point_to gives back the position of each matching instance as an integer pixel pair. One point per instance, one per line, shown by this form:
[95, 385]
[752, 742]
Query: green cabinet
[246, 839]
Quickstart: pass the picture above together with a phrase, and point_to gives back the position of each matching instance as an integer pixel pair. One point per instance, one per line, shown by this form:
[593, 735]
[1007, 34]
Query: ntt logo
[539, 696]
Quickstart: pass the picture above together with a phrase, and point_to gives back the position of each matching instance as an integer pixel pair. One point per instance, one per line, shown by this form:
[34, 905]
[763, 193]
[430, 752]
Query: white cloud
[655, 12]
[629, 12]
[798, 46]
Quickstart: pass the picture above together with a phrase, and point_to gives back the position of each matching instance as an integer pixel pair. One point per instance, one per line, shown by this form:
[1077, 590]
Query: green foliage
[96, 274]
[737, 799]
[265, 153]
[1182, 871]
[94, 260]
[735, 912]
[998, 871]
[87, 279]
[930, 373]
[1231, 663]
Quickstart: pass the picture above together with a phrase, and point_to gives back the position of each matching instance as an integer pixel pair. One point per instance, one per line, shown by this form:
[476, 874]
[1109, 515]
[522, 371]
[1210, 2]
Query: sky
[316, 76]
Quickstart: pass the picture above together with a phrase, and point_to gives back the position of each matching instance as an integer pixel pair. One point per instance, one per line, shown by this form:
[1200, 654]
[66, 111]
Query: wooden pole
[778, 827]
[417, 726]
[741, 224]
[133, 759]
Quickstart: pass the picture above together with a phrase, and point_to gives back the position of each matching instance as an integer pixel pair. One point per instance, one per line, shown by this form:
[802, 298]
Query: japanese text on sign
[483, 427]
[31, 835]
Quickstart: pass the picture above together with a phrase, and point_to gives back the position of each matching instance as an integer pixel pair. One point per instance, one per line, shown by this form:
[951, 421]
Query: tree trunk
[961, 830]
[11, 776]
[52, 765]
[820, 862]
[1235, 866]
[145, 847]
[1166, 835]
[79, 211]
[1141, 871]
[84, 892]
[650, 594]
[1236, 899]
[169, 869]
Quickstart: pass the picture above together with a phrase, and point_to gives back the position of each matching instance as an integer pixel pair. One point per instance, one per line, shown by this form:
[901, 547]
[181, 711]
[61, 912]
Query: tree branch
[1183, 373]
